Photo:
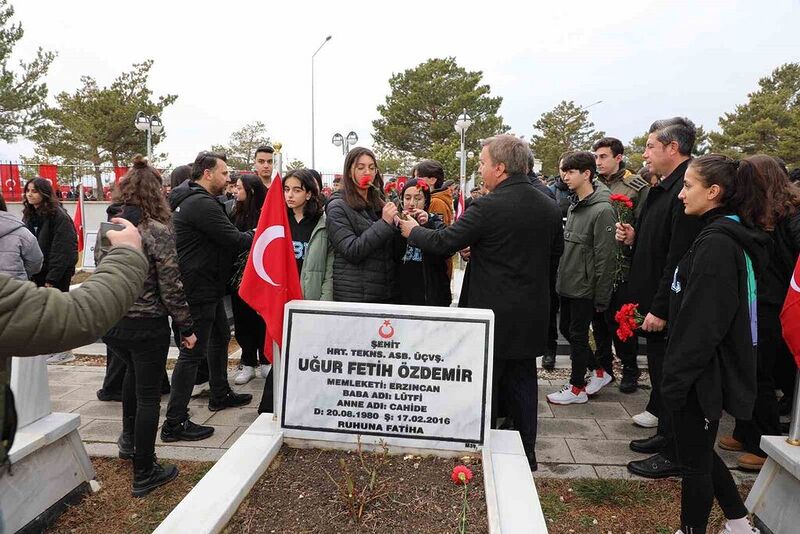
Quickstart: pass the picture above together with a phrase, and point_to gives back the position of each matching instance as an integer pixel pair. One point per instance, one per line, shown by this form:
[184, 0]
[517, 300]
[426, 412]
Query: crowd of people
[704, 246]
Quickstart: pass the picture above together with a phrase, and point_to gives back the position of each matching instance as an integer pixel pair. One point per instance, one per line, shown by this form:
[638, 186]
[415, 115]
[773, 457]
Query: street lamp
[345, 142]
[151, 125]
[313, 162]
[462, 125]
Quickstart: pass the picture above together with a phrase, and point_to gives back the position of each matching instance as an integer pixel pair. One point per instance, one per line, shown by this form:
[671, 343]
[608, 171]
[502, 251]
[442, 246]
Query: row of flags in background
[12, 184]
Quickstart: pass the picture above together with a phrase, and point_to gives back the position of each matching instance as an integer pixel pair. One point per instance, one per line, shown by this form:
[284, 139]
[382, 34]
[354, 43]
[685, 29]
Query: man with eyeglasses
[207, 243]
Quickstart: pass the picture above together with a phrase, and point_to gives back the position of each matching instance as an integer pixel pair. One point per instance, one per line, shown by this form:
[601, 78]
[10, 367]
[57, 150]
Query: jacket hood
[184, 191]
[601, 194]
[8, 223]
[755, 242]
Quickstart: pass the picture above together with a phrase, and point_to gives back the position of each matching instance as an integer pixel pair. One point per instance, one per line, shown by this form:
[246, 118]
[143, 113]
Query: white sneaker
[569, 394]
[749, 529]
[645, 420]
[597, 381]
[244, 375]
[265, 369]
[60, 357]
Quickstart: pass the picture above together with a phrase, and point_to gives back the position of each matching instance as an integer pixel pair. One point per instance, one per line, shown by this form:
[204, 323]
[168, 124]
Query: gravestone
[49, 463]
[417, 379]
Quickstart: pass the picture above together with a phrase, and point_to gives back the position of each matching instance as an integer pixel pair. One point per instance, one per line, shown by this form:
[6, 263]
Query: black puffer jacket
[774, 283]
[363, 266]
[59, 243]
[207, 242]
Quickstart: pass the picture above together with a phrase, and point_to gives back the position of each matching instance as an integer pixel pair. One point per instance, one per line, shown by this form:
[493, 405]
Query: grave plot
[376, 406]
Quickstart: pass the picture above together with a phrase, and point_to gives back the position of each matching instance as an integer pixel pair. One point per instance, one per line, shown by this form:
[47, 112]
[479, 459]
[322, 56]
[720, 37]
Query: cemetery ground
[582, 481]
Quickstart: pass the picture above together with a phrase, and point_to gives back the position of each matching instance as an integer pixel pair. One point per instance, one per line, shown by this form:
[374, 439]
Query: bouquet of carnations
[629, 319]
[623, 206]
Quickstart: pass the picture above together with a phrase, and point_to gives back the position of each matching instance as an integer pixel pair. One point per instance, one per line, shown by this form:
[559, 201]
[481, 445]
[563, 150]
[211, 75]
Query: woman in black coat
[710, 362]
[361, 229]
[55, 232]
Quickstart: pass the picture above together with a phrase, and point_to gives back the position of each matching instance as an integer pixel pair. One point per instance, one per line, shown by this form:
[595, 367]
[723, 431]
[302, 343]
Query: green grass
[615, 492]
[552, 507]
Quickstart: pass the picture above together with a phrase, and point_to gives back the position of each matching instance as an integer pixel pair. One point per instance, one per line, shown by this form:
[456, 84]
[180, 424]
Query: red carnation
[365, 181]
[622, 199]
[390, 187]
[629, 319]
[461, 474]
[422, 186]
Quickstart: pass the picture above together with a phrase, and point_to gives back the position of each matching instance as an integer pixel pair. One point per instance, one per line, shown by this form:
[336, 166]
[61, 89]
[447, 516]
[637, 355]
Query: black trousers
[115, 374]
[765, 421]
[514, 383]
[213, 336]
[143, 355]
[576, 316]
[604, 328]
[705, 475]
[250, 332]
[552, 327]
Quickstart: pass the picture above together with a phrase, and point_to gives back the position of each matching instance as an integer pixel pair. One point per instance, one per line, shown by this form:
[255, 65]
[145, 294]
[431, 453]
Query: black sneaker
[549, 361]
[231, 400]
[629, 384]
[147, 479]
[185, 431]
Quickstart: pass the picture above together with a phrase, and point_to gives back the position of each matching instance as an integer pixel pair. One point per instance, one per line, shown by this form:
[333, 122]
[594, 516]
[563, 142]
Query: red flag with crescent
[790, 315]
[78, 219]
[270, 278]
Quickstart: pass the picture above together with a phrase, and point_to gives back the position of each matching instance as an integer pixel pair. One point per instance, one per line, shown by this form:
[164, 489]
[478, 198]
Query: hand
[48, 284]
[625, 233]
[389, 212]
[421, 216]
[653, 324]
[406, 225]
[465, 254]
[128, 237]
[188, 342]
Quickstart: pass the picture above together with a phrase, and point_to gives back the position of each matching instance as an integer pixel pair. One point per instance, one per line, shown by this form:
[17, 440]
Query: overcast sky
[239, 61]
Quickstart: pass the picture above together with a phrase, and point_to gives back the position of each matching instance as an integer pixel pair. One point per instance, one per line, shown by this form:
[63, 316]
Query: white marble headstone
[411, 376]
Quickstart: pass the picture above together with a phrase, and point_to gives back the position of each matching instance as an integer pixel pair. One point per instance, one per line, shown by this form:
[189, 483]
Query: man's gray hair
[509, 150]
[678, 129]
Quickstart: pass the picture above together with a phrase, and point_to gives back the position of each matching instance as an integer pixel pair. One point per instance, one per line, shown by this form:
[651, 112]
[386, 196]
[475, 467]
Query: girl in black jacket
[422, 278]
[55, 232]
[783, 227]
[710, 363]
[361, 229]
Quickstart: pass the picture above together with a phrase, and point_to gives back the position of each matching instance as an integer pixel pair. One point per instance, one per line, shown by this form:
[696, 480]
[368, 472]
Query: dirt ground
[296, 496]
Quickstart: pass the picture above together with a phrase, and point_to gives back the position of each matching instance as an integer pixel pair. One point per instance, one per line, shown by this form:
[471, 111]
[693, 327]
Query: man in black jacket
[662, 236]
[207, 242]
[508, 272]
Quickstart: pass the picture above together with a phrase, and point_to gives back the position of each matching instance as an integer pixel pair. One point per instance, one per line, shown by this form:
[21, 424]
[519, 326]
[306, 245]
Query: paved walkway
[589, 440]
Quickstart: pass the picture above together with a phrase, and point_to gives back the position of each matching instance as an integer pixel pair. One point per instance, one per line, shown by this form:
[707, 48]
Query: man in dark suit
[515, 240]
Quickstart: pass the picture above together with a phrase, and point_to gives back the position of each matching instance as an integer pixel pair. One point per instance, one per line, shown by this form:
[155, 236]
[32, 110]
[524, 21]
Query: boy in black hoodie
[710, 363]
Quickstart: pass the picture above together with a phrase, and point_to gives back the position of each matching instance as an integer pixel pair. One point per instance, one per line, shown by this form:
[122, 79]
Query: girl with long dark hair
[361, 229]
[54, 230]
[249, 326]
[782, 223]
[710, 362]
[422, 278]
[141, 338]
[307, 222]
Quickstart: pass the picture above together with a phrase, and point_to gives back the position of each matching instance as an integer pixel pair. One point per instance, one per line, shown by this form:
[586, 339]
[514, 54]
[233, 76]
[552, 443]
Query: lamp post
[313, 162]
[345, 142]
[462, 125]
[151, 125]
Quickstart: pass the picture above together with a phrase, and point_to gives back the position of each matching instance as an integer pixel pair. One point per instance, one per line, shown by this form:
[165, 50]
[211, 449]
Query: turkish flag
[119, 172]
[790, 315]
[50, 172]
[78, 219]
[270, 278]
[9, 175]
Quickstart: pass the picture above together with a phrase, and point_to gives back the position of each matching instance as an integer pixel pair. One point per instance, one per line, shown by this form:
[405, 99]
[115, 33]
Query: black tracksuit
[710, 363]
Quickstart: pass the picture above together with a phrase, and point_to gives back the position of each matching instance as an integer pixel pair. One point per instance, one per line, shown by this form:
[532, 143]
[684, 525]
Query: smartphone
[103, 233]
